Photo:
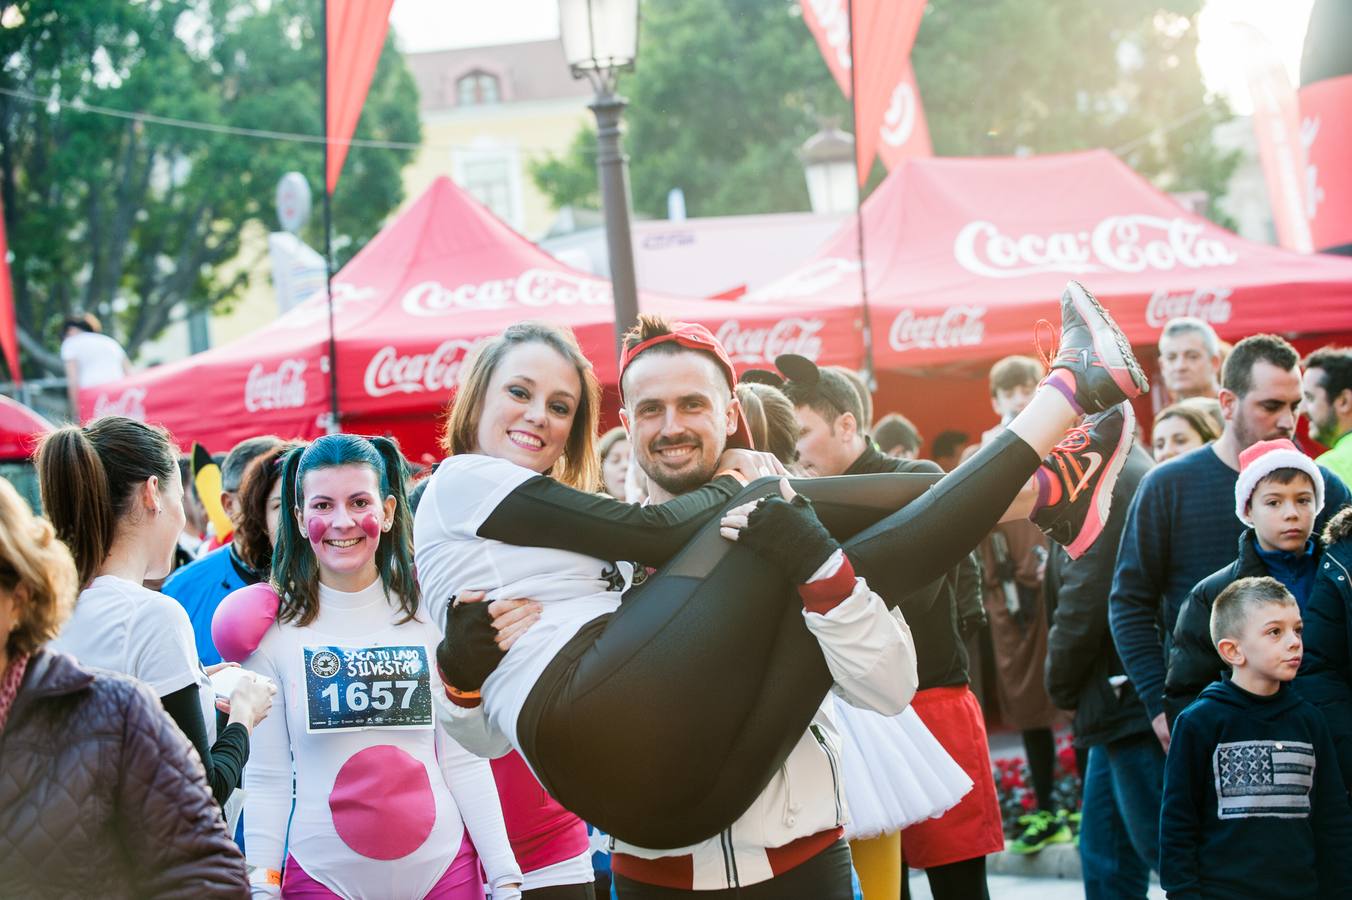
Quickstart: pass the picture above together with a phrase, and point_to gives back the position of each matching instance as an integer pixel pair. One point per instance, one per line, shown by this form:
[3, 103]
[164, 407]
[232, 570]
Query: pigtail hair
[394, 556]
[295, 574]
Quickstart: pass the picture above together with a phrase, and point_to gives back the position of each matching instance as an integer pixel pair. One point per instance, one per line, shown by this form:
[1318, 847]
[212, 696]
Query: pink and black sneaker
[1076, 480]
[1094, 368]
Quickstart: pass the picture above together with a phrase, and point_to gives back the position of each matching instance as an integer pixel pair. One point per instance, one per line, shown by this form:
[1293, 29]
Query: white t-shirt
[572, 589]
[382, 796]
[100, 357]
[122, 626]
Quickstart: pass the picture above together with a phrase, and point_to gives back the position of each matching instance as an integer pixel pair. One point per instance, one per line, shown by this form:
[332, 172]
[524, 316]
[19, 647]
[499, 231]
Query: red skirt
[973, 827]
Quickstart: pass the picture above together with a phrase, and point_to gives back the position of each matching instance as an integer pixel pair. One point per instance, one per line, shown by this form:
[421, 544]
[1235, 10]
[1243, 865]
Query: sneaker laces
[1054, 340]
[1076, 440]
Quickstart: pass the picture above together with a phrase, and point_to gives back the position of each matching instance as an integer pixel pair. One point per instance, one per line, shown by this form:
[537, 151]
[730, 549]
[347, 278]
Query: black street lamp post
[600, 40]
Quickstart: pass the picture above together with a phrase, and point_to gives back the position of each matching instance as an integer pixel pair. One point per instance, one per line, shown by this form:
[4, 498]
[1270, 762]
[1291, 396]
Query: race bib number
[350, 688]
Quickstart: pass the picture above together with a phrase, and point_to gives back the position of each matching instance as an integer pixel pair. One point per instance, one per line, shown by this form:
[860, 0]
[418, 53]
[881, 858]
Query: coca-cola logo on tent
[811, 279]
[1128, 244]
[957, 326]
[390, 372]
[535, 288]
[834, 18]
[283, 388]
[130, 403]
[762, 345]
[1208, 304]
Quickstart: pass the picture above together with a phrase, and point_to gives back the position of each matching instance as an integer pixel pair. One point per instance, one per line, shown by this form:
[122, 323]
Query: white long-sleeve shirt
[383, 797]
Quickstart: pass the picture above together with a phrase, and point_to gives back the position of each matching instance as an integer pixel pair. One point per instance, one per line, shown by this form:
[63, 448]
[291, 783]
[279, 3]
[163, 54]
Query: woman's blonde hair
[38, 569]
[609, 440]
[579, 466]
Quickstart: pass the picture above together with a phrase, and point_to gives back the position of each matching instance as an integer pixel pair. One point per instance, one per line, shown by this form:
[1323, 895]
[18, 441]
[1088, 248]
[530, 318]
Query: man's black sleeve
[543, 513]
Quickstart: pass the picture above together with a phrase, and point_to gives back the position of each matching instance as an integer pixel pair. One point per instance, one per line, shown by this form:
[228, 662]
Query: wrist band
[260, 875]
[741, 479]
[463, 699]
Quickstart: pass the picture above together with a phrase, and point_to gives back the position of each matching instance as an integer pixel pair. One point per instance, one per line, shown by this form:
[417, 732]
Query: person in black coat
[1279, 494]
[1119, 835]
[1325, 677]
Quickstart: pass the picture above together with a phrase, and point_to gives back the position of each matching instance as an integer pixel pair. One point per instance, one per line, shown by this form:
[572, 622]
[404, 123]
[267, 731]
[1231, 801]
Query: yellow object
[878, 863]
[207, 478]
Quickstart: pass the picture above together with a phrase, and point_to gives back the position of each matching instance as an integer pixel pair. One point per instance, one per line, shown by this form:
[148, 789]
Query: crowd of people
[682, 658]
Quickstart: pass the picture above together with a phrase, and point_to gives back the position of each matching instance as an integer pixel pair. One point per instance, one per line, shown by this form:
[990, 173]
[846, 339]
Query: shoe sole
[1100, 505]
[1109, 342]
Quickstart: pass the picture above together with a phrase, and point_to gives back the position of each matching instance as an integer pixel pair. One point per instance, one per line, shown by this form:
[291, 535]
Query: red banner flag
[1276, 123]
[9, 333]
[889, 118]
[355, 34]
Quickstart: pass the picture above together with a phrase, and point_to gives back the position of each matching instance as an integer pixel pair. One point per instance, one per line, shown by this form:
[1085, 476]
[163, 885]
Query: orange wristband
[741, 479]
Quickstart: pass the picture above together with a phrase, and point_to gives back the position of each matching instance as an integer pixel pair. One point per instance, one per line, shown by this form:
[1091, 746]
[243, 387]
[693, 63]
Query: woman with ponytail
[113, 493]
[386, 805]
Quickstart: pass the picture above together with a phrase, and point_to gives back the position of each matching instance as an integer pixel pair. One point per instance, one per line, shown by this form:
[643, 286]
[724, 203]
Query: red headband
[694, 336]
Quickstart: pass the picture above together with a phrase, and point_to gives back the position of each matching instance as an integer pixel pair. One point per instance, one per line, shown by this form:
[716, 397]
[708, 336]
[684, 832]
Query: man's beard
[1325, 432]
[677, 483]
[1248, 436]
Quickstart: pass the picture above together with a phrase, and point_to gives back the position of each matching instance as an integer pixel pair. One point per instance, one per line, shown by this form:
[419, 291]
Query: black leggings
[662, 722]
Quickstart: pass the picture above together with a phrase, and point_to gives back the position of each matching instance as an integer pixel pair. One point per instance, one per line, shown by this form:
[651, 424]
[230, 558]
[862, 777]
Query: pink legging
[462, 881]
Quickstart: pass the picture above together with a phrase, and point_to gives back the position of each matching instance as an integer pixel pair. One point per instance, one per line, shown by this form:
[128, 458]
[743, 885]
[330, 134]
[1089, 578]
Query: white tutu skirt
[896, 773]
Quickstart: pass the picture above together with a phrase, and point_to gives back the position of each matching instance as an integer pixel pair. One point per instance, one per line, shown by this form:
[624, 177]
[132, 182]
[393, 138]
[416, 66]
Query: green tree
[133, 219]
[725, 91]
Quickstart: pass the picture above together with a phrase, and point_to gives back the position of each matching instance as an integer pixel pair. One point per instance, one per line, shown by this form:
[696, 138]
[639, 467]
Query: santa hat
[1266, 457]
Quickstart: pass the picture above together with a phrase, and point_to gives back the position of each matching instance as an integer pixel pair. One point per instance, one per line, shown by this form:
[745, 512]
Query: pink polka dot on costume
[382, 803]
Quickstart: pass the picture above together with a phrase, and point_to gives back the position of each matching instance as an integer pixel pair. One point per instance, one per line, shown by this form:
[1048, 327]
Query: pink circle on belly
[382, 803]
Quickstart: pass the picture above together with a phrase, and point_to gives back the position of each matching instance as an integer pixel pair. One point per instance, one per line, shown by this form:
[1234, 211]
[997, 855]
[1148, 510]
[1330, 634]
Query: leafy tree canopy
[726, 91]
[128, 219]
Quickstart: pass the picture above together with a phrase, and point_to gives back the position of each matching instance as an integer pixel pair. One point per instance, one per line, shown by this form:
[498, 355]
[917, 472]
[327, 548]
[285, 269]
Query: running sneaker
[1095, 353]
[1040, 829]
[1080, 474]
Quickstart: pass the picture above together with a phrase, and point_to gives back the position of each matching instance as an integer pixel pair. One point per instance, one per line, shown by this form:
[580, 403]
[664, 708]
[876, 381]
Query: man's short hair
[239, 457]
[1237, 373]
[831, 396]
[1240, 600]
[1336, 364]
[1191, 325]
[948, 443]
[865, 396]
[1013, 372]
[895, 430]
[651, 326]
[84, 322]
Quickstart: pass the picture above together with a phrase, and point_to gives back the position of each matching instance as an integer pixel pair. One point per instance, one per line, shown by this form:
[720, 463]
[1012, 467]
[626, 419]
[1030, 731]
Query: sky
[441, 24]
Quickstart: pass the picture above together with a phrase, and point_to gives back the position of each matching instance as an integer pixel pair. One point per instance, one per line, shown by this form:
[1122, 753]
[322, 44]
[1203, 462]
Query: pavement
[1017, 887]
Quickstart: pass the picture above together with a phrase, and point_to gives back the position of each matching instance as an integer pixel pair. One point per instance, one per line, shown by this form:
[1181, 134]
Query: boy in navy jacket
[1254, 802]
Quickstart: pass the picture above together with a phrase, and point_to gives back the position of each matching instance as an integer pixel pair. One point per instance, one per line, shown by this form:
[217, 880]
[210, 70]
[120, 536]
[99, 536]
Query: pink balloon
[239, 623]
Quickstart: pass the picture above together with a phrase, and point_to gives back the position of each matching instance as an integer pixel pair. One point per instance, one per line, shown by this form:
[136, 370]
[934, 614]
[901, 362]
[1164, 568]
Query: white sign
[390, 372]
[534, 288]
[762, 345]
[293, 202]
[957, 326]
[1128, 244]
[281, 389]
[130, 403]
[1208, 304]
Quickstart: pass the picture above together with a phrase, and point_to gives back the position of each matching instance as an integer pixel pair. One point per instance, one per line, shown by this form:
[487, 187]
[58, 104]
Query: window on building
[478, 88]
[489, 180]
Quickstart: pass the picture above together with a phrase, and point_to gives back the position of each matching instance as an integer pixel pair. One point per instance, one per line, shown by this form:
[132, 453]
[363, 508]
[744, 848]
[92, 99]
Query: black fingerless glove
[469, 652]
[788, 534]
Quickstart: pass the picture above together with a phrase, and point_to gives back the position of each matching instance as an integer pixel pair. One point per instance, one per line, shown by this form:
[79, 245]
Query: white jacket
[871, 656]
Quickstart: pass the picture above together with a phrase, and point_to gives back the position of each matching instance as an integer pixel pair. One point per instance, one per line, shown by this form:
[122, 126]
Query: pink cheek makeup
[371, 527]
[316, 528]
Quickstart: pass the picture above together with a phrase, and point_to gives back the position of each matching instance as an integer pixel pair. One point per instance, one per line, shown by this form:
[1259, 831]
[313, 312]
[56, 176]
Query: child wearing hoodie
[1254, 803]
[1279, 495]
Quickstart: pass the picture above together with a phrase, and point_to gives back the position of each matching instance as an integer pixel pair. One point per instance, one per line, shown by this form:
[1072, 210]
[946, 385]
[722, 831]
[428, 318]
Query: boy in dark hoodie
[1279, 495]
[1254, 803]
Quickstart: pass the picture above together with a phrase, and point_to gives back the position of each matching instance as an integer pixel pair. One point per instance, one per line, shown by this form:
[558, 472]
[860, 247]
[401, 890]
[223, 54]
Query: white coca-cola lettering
[899, 122]
[130, 403]
[282, 389]
[316, 308]
[1131, 243]
[834, 19]
[957, 326]
[389, 372]
[533, 287]
[1208, 304]
[762, 345]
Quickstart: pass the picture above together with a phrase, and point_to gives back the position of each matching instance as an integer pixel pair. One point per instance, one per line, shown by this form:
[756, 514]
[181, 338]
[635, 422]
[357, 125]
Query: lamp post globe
[600, 40]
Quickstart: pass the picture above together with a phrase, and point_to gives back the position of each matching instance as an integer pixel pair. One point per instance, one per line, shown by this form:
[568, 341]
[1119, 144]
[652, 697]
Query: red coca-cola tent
[443, 275]
[965, 255]
[20, 429]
